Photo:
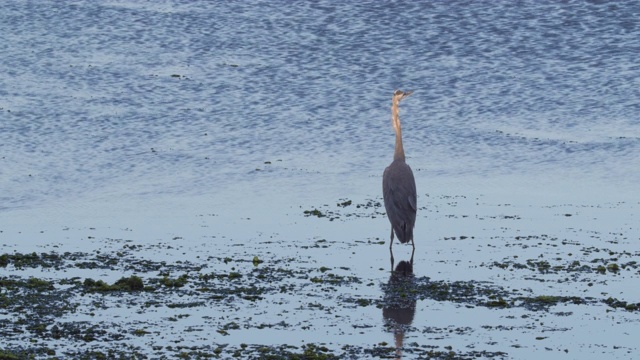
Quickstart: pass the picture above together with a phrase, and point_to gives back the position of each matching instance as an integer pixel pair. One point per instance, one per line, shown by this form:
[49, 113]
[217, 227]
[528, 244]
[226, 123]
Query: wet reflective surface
[161, 139]
[400, 302]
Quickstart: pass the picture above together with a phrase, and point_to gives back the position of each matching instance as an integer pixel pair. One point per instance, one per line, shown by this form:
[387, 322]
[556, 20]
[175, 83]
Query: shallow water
[204, 129]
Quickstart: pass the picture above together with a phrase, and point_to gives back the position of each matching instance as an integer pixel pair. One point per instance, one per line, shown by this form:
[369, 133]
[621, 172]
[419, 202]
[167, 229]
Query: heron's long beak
[407, 93]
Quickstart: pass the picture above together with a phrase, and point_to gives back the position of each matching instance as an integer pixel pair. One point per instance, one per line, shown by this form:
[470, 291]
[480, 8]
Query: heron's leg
[411, 261]
[391, 242]
[390, 248]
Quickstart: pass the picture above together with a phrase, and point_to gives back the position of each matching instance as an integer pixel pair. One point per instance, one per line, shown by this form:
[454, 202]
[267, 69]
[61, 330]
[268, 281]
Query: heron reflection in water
[399, 185]
[399, 306]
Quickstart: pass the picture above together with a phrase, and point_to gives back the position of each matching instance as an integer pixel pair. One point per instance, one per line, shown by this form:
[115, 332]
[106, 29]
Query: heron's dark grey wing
[413, 201]
[400, 199]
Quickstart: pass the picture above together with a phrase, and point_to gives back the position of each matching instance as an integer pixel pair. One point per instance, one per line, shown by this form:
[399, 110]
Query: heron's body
[400, 200]
[399, 185]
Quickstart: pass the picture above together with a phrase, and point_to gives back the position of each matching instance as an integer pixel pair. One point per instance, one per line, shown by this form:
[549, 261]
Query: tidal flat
[485, 285]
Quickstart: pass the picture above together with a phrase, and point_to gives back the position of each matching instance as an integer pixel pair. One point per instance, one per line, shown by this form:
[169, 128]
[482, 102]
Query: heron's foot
[392, 260]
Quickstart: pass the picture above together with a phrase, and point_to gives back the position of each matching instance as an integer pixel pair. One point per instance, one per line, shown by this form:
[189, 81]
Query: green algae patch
[32, 260]
[314, 212]
[364, 302]
[543, 302]
[178, 282]
[9, 355]
[140, 332]
[614, 268]
[39, 284]
[345, 203]
[344, 210]
[573, 267]
[256, 261]
[128, 284]
[335, 279]
[499, 303]
[619, 304]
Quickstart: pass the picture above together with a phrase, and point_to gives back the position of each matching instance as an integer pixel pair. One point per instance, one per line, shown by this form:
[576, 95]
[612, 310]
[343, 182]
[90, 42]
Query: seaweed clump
[129, 284]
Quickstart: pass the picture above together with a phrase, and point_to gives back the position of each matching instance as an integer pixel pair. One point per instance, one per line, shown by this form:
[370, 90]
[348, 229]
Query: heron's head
[399, 95]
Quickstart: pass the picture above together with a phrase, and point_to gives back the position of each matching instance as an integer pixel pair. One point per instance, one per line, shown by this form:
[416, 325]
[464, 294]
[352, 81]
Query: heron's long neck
[399, 153]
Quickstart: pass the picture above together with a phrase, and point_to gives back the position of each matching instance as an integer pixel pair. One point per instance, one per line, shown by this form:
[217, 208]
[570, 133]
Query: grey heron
[399, 185]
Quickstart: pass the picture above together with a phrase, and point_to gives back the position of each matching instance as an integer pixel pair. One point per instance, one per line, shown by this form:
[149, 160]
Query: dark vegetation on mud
[35, 305]
[39, 312]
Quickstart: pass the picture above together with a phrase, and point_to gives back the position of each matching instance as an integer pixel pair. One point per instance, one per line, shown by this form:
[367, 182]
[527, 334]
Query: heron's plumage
[400, 199]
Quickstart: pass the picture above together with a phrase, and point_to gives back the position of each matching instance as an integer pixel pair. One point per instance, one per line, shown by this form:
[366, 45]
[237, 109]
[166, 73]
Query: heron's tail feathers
[404, 233]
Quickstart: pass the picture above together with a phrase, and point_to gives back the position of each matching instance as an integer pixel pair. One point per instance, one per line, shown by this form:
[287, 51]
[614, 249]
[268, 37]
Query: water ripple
[102, 93]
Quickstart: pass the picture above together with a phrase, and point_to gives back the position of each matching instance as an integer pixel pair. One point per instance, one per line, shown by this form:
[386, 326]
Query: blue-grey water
[145, 115]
